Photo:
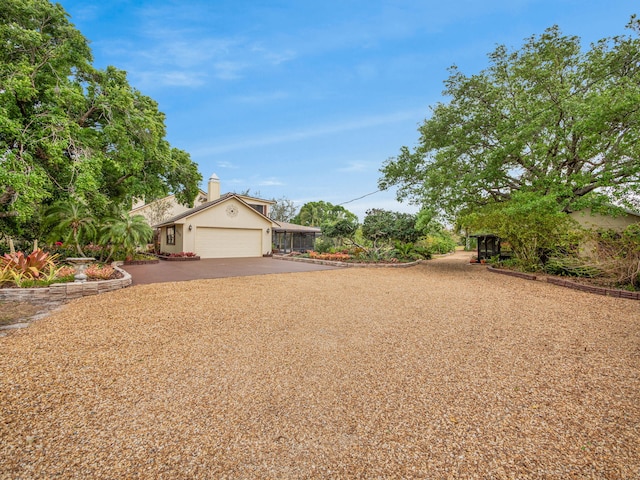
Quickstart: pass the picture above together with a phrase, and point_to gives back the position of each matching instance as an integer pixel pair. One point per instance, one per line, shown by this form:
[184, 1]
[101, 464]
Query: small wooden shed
[488, 246]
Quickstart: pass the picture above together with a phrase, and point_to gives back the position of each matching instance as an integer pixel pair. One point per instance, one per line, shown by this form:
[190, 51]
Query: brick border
[609, 292]
[66, 291]
[511, 273]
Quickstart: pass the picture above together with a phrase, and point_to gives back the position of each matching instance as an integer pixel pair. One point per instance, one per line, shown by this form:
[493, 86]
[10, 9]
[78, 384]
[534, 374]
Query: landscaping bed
[178, 257]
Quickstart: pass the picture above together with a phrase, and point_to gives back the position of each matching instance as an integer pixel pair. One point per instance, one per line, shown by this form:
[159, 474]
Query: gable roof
[171, 196]
[204, 206]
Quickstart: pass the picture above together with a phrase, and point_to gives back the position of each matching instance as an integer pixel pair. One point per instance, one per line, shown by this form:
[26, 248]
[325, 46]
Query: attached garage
[226, 227]
[212, 242]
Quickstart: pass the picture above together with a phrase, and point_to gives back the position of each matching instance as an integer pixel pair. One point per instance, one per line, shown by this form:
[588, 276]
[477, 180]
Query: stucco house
[588, 219]
[223, 226]
[163, 208]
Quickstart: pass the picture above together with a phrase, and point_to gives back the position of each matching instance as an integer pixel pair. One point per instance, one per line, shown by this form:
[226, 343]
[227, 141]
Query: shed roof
[293, 228]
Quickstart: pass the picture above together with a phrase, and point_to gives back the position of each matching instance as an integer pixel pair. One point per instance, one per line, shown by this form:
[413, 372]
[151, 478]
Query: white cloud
[311, 132]
[225, 164]
[270, 182]
[357, 167]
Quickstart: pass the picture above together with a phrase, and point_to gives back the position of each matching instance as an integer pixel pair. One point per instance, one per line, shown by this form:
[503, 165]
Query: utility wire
[366, 195]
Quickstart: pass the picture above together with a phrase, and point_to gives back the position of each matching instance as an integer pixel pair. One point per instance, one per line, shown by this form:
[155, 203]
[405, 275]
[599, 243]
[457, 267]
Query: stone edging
[609, 292]
[66, 291]
[141, 262]
[347, 264]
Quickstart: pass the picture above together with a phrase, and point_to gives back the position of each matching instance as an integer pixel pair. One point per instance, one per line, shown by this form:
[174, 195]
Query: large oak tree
[71, 131]
[550, 118]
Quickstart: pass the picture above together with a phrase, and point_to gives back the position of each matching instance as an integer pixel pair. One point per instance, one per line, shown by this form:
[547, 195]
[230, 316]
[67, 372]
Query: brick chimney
[213, 193]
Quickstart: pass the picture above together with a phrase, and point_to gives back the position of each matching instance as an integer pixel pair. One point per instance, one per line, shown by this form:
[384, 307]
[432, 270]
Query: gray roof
[292, 227]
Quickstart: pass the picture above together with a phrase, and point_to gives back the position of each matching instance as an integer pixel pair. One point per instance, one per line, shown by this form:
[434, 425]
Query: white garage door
[228, 242]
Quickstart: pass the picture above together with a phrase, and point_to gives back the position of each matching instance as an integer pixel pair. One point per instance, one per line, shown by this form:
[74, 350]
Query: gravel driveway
[442, 370]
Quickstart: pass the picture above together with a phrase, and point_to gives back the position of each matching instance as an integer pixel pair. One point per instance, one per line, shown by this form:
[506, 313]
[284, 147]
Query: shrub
[409, 251]
[98, 271]
[335, 257]
[617, 255]
[323, 245]
[570, 267]
[441, 243]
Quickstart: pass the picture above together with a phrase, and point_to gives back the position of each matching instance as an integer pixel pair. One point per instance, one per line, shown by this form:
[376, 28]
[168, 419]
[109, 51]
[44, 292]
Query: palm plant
[72, 221]
[127, 232]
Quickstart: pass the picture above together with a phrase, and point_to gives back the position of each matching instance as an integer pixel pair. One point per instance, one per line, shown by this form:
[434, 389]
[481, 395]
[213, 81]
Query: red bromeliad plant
[33, 266]
[99, 272]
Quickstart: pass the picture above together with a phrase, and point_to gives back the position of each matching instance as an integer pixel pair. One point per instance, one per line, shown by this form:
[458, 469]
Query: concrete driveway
[167, 271]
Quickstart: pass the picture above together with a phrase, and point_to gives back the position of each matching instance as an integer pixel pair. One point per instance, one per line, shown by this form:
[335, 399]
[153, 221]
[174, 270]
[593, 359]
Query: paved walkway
[167, 271]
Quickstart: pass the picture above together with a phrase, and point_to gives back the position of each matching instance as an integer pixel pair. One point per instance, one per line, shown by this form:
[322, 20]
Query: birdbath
[80, 263]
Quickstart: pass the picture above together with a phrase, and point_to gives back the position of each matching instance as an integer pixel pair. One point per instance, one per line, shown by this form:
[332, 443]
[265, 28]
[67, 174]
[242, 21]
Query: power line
[366, 195]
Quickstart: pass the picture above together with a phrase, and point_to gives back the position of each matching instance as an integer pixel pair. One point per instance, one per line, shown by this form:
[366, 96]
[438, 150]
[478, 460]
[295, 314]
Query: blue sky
[304, 99]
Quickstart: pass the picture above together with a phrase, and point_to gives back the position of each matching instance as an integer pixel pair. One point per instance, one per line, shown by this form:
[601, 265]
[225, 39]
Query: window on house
[259, 208]
[171, 235]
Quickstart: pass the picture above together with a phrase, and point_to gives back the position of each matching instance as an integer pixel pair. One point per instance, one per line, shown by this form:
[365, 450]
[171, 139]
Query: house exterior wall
[179, 243]
[257, 201]
[229, 214]
[589, 220]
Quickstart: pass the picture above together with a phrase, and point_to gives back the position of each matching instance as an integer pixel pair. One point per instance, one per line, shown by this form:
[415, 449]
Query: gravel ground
[442, 370]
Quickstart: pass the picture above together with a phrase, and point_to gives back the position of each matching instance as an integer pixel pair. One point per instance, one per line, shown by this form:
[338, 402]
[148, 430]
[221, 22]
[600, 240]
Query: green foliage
[323, 245]
[340, 230]
[71, 221]
[442, 242]
[316, 214]
[387, 226]
[126, 232]
[410, 251]
[550, 118]
[569, 266]
[70, 131]
[534, 226]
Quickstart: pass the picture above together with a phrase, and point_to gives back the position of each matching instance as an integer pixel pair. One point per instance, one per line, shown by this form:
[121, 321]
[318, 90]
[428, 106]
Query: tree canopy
[315, 214]
[385, 225]
[283, 210]
[549, 118]
[71, 131]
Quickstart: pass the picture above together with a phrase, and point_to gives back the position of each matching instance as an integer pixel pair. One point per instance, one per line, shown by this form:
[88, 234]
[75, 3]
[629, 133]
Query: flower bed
[178, 257]
[66, 291]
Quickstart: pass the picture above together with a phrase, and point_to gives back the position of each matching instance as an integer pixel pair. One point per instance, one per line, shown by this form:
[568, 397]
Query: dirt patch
[24, 312]
[16, 312]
